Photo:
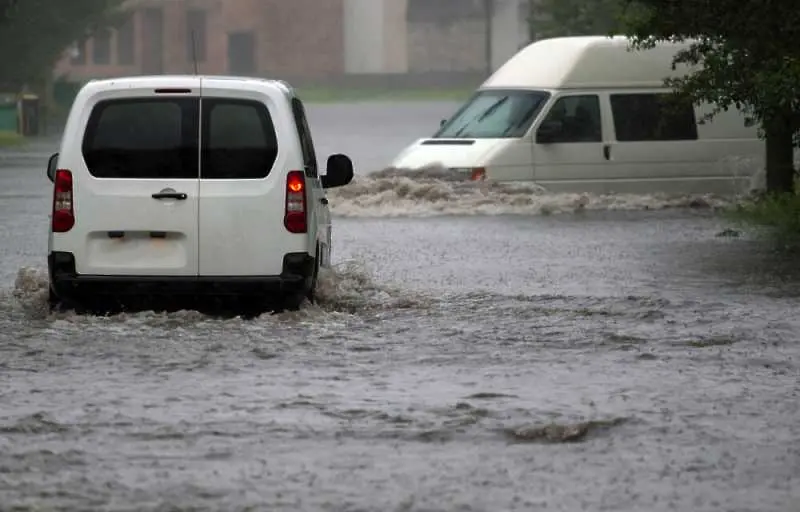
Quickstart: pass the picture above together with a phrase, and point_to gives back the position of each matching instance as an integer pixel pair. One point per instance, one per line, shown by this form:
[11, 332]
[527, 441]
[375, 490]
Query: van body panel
[241, 217]
[319, 215]
[619, 154]
[171, 182]
[432, 152]
[511, 160]
[120, 228]
[587, 62]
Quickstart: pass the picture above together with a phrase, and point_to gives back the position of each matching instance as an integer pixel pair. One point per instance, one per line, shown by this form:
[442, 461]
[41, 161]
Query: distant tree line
[35, 33]
[749, 52]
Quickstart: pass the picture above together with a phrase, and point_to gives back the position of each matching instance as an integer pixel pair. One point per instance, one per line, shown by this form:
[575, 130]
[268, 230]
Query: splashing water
[436, 191]
[345, 288]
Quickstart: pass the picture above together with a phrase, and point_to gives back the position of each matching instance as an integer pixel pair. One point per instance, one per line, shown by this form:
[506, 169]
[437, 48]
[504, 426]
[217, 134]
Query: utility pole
[488, 9]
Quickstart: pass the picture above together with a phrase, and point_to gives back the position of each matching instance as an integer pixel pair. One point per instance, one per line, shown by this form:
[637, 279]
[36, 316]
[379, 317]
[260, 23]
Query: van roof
[587, 62]
[123, 82]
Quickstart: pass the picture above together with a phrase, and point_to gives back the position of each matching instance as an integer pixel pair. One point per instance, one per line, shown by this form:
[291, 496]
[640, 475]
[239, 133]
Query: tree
[745, 54]
[555, 18]
[35, 33]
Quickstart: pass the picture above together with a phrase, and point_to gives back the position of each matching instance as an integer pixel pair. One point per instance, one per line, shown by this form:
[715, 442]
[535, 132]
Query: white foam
[347, 288]
[436, 191]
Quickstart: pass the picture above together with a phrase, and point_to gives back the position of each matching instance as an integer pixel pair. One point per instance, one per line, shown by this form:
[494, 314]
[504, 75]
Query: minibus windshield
[494, 114]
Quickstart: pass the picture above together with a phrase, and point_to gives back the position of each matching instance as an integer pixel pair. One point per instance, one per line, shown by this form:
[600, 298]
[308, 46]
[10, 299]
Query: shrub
[776, 216]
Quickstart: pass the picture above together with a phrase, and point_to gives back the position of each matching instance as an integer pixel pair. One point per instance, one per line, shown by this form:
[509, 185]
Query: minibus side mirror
[339, 171]
[52, 165]
[549, 131]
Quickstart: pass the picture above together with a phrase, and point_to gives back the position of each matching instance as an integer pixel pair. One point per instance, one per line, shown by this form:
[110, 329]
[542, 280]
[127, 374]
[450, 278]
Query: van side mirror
[52, 165]
[339, 171]
[549, 131]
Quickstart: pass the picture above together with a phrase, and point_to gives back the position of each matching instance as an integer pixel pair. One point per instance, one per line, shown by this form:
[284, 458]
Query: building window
[653, 117]
[78, 53]
[196, 22]
[125, 43]
[101, 43]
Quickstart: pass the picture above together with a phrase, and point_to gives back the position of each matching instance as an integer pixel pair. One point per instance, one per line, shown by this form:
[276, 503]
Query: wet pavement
[471, 351]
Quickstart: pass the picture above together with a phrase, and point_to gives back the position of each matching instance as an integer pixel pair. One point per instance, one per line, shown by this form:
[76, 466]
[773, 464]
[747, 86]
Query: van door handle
[180, 196]
[324, 200]
[607, 151]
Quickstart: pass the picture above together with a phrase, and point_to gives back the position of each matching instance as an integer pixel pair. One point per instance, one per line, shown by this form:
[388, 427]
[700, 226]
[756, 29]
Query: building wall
[302, 38]
[364, 36]
[315, 39]
[457, 45]
[450, 35]
[376, 36]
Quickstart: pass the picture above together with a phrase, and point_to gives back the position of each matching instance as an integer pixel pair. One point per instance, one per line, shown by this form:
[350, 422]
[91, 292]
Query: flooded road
[470, 352]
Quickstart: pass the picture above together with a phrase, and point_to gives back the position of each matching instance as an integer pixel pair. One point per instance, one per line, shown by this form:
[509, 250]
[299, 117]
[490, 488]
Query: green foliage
[775, 215]
[35, 33]
[10, 139]
[744, 54]
[748, 50]
[556, 18]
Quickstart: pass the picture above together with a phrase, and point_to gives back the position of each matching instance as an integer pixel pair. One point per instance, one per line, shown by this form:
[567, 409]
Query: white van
[587, 114]
[172, 186]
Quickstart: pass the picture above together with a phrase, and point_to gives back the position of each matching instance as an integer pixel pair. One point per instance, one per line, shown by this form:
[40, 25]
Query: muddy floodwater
[475, 348]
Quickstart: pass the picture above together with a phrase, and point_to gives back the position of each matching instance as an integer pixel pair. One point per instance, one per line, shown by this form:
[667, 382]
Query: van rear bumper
[65, 282]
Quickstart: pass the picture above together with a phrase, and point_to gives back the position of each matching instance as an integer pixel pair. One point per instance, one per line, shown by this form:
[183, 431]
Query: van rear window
[143, 138]
[239, 140]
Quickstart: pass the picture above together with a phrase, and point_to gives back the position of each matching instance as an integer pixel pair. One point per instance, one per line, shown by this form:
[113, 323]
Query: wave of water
[438, 191]
[347, 288]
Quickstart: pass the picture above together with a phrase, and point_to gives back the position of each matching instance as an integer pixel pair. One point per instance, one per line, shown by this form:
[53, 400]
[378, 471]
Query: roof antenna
[194, 53]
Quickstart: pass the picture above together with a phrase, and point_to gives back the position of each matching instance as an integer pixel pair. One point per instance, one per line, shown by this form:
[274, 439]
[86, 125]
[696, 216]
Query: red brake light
[478, 174]
[295, 218]
[63, 212]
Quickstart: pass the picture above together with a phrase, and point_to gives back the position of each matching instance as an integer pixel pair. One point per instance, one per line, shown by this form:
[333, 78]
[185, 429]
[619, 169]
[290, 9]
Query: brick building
[298, 38]
[305, 40]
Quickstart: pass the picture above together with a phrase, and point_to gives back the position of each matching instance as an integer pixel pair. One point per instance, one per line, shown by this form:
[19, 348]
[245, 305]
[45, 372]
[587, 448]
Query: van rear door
[136, 187]
[242, 190]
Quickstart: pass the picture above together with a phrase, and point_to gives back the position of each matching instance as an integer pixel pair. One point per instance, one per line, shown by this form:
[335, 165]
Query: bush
[10, 139]
[776, 216]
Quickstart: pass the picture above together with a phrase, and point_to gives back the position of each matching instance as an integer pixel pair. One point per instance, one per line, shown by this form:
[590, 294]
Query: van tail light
[296, 219]
[478, 174]
[63, 212]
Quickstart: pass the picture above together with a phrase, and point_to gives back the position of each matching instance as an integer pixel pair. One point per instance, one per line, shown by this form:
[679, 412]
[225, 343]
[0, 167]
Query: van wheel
[311, 294]
[52, 300]
[290, 302]
[60, 304]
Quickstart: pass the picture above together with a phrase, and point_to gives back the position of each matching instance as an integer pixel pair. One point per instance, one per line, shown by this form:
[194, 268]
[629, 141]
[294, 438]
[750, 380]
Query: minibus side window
[574, 119]
[641, 117]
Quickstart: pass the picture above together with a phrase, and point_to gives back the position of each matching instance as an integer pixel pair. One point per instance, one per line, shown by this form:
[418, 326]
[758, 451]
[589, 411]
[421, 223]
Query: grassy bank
[11, 139]
[357, 95]
[64, 94]
[774, 217]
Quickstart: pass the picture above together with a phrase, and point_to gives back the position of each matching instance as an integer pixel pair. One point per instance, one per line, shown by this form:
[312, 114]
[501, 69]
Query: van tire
[291, 302]
[53, 301]
[60, 304]
[311, 294]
